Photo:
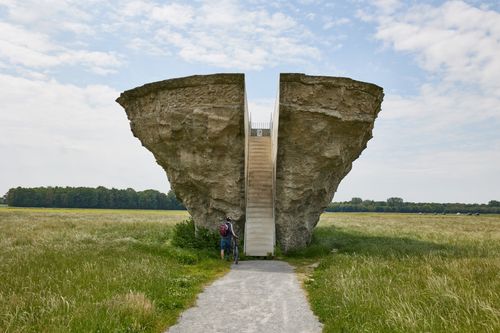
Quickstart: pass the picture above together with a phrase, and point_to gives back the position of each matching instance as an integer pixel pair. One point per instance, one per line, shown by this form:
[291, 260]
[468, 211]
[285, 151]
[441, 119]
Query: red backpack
[224, 229]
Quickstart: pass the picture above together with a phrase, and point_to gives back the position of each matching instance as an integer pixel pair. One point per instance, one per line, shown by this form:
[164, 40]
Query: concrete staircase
[259, 226]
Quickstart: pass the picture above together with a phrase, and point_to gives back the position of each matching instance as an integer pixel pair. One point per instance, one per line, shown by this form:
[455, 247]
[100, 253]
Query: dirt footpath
[255, 296]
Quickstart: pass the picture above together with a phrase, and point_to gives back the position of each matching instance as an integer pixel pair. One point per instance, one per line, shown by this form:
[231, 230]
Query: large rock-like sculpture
[197, 129]
[194, 126]
[324, 125]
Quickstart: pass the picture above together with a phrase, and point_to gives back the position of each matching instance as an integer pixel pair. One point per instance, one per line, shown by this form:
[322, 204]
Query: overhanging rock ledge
[194, 128]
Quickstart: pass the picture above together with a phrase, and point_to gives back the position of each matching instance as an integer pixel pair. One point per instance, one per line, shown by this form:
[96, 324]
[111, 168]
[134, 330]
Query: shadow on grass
[330, 239]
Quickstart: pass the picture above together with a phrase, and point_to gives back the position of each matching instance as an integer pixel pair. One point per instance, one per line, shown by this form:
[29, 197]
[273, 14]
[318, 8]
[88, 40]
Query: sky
[63, 63]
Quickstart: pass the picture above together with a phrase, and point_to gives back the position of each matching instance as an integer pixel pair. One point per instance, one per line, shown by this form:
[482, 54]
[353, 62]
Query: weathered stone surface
[194, 126]
[324, 125]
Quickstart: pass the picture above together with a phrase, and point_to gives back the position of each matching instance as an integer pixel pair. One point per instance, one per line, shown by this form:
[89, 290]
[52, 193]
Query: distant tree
[356, 201]
[396, 204]
[494, 203]
[395, 201]
[131, 198]
[173, 202]
[148, 199]
[87, 197]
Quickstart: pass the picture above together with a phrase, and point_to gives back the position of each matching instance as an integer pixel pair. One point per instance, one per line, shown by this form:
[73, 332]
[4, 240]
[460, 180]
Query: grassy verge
[404, 273]
[74, 270]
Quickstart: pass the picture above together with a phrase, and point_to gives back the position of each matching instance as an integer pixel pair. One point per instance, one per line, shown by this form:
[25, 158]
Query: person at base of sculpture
[227, 233]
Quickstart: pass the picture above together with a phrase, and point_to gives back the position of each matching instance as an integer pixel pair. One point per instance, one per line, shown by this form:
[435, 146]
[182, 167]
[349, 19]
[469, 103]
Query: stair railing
[274, 124]
[248, 131]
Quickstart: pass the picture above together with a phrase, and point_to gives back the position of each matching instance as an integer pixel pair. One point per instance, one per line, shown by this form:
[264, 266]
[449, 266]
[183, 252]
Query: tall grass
[404, 273]
[74, 270]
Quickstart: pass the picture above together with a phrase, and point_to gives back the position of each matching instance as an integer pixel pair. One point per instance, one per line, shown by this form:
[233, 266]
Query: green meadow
[368, 272]
[84, 270]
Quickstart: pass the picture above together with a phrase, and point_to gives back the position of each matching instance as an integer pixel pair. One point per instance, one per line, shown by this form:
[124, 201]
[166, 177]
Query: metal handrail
[248, 131]
[260, 125]
[274, 121]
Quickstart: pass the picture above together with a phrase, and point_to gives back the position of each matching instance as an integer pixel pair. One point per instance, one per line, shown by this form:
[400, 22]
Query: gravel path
[255, 296]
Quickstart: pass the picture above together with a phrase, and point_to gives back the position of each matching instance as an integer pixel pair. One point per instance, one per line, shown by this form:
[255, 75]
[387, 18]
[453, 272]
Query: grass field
[404, 272]
[74, 270]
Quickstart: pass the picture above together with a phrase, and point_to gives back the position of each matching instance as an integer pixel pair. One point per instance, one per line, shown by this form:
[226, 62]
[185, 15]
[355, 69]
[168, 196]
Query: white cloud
[22, 47]
[56, 134]
[330, 23]
[50, 15]
[226, 34]
[99, 62]
[432, 177]
[436, 146]
[387, 6]
[458, 45]
[143, 45]
[223, 34]
[134, 8]
[457, 40]
[78, 28]
[175, 14]
[442, 143]
[261, 109]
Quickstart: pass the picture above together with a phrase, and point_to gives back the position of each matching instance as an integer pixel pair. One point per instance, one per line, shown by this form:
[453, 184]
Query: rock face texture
[324, 125]
[194, 126]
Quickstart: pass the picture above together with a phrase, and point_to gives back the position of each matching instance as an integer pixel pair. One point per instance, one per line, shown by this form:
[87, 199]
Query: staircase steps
[259, 226]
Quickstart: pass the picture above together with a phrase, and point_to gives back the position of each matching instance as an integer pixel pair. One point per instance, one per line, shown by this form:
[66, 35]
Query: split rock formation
[196, 128]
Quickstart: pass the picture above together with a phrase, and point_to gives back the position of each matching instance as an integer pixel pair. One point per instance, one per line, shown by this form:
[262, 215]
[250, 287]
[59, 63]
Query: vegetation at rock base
[88, 197]
[398, 205]
[367, 272]
[185, 235]
[96, 270]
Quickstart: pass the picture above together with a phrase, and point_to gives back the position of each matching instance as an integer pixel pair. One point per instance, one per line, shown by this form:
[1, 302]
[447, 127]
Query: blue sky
[437, 138]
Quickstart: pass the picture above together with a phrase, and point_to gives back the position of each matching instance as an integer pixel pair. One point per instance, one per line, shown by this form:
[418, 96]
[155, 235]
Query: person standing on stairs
[227, 233]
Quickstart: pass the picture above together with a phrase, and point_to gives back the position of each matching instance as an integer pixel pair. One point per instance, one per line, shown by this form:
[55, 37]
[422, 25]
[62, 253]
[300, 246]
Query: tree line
[102, 197]
[88, 197]
[398, 205]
